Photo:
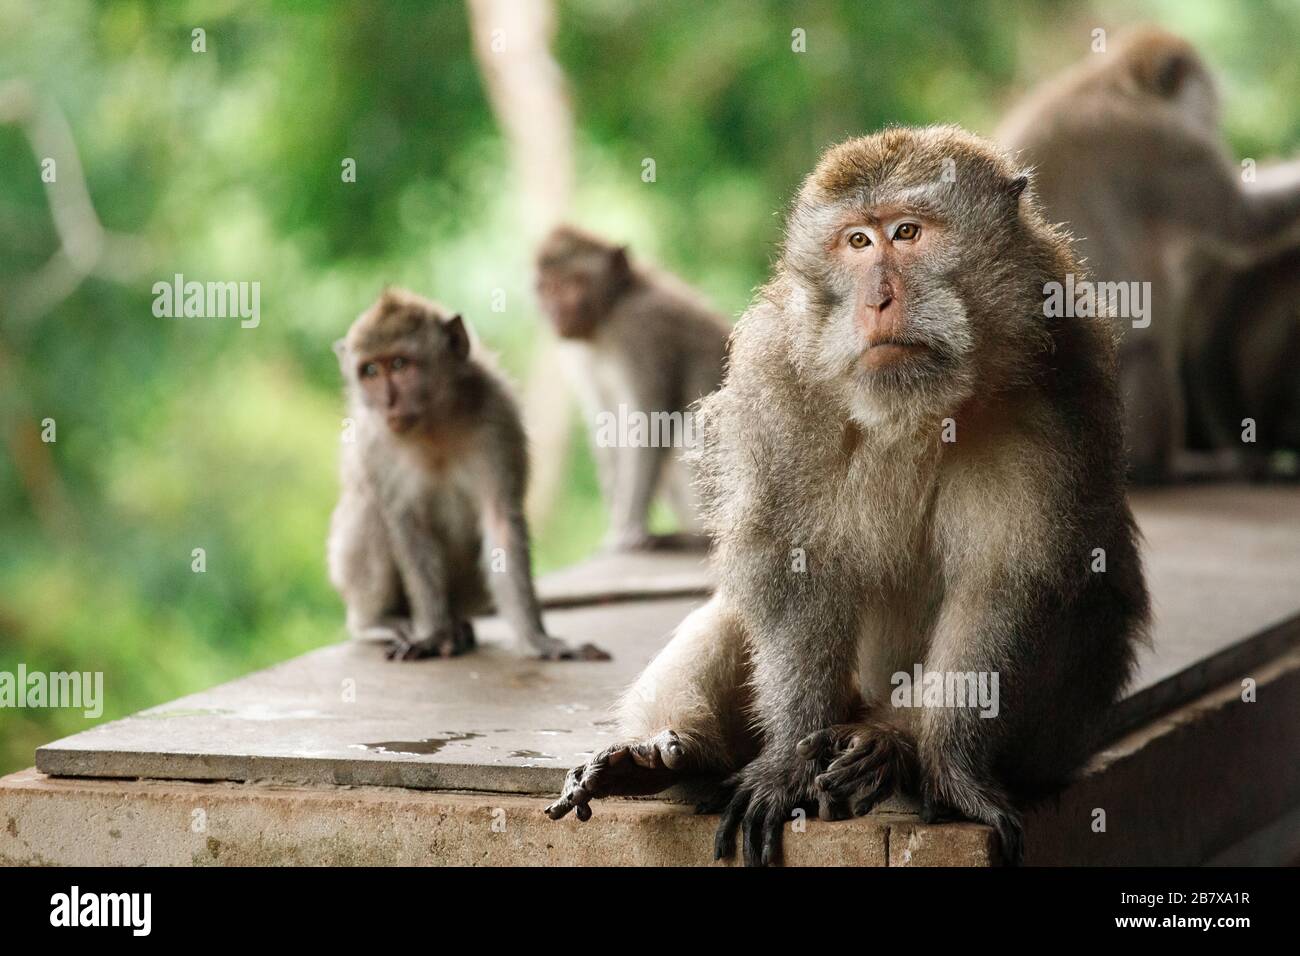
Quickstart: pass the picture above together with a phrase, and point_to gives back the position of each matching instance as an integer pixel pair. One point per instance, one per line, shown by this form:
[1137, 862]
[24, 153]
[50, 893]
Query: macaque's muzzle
[400, 422]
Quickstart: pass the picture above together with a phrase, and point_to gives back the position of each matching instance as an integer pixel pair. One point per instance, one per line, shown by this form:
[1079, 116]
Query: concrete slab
[491, 720]
[1224, 565]
[667, 572]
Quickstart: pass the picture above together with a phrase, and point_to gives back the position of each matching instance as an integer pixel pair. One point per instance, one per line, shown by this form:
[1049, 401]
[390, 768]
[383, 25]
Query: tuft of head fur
[398, 319]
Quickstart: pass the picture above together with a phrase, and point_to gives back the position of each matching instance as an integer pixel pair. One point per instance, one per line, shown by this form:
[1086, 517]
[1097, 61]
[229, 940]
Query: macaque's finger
[724, 839]
[868, 795]
[829, 808]
[664, 750]
[754, 828]
[773, 832]
[671, 750]
[570, 794]
[844, 771]
[812, 746]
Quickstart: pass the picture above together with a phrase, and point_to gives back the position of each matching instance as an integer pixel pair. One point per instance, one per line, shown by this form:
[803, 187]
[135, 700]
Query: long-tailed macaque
[909, 466]
[636, 342]
[1128, 155]
[1243, 352]
[435, 461]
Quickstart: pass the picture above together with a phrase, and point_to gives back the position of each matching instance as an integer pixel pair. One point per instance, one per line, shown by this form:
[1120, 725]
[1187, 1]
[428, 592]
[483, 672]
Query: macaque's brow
[877, 214]
[921, 199]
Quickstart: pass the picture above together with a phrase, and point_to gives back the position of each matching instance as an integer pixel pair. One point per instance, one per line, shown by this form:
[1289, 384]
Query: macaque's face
[405, 364]
[579, 278]
[571, 298]
[894, 327]
[393, 385]
[912, 273]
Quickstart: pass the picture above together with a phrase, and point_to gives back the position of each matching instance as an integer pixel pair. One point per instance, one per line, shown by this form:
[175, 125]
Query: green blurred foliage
[176, 434]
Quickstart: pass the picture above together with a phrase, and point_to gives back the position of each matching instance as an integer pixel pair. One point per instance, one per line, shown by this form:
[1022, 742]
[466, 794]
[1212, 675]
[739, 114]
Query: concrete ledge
[1188, 785]
[1179, 790]
[59, 821]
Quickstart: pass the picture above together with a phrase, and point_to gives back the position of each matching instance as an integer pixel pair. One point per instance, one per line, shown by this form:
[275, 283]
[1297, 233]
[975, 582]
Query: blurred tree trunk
[527, 91]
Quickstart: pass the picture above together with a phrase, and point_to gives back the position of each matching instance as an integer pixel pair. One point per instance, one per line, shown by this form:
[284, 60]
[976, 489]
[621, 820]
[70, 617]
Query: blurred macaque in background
[1129, 156]
[639, 348]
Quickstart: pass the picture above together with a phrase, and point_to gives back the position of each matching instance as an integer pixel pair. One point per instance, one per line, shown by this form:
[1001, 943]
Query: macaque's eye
[907, 231]
[370, 370]
[398, 363]
[859, 239]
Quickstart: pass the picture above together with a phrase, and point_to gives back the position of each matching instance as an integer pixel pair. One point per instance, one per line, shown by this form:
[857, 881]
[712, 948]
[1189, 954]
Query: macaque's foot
[865, 762]
[766, 795]
[448, 642]
[626, 770]
[553, 649]
[946, 794]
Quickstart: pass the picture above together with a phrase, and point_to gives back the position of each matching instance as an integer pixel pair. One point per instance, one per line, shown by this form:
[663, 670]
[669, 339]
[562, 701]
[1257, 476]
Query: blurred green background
[175, 434]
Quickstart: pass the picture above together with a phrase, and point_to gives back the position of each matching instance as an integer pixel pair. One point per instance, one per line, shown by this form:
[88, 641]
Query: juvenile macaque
[436, 463]
[908, 464]
[1128, 155]
[637, 342]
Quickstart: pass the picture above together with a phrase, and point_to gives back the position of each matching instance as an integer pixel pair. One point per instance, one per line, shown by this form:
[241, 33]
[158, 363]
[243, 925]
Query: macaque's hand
[626, 770]
[862, 764]
[767, 791]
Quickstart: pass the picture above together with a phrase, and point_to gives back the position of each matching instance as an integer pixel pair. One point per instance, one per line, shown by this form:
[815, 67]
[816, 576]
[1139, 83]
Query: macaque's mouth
[885, 353]
[400, 423]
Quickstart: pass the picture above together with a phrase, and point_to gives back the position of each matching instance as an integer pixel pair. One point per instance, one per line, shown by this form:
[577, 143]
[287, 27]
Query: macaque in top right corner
[1196, 260]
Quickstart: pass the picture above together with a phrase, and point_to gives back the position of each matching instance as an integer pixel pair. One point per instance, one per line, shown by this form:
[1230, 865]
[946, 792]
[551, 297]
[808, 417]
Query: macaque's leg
[362, 568]
[687, 713]
[506, 527]
[1153, 412]
[433, 631]
[958, 747]
[636, 481]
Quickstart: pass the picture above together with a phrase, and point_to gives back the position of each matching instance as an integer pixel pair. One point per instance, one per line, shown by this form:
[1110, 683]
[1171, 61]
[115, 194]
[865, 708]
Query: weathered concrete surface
[668, 572]
[1179, 790]
[1224, 564]
[491, 720]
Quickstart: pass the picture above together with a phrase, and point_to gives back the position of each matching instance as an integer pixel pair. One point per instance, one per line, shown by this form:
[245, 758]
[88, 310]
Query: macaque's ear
[1169, 73]
[340, 347]
[1017, 185]
[618, 264]
[457, 336]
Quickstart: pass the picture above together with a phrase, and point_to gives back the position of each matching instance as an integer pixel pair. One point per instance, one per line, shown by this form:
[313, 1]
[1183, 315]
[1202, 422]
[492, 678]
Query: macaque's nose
[390, 393]
[881, 298]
